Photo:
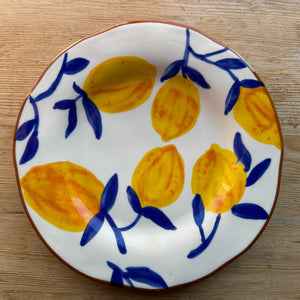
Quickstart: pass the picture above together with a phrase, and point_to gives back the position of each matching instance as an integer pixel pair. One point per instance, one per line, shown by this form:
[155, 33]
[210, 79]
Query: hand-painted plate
[148, 155]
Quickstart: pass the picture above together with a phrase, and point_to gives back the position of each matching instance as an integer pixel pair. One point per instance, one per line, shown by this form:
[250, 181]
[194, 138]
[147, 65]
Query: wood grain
[265, 32]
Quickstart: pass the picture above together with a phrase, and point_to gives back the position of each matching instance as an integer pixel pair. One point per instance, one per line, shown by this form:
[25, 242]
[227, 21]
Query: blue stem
[36, 114]
[132, 224]
[204, 57]
[55, 83]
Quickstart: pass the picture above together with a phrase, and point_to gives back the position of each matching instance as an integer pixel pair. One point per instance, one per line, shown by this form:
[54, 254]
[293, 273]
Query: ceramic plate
[148, 155]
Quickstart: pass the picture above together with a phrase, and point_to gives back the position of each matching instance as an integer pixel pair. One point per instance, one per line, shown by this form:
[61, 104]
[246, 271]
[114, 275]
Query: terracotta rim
[18, 179]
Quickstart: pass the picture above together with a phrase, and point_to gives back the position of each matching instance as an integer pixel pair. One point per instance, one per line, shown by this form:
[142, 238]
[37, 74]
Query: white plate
[185, 192]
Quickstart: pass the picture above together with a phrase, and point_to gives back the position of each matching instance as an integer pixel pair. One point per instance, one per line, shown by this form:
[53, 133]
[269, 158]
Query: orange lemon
[120, 84]
[218, 179]
[159, 177]
[64, 194]
[255, 114]
[176, 108]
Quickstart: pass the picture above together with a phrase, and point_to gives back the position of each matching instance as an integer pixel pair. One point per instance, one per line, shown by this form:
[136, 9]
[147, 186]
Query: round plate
[148, 155]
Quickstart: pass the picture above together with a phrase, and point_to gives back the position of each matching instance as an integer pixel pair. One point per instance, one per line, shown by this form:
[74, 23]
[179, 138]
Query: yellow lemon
[159, 177]
[218, 179]
[64, 194]
[176, 108]
[120, 84]
[255, 114]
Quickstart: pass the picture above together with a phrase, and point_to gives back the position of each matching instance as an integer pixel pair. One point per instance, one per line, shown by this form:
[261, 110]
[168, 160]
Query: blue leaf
[75, 65]
[64, 104]
[232, 97]
[92, 228]
[117, 275]
[249, 211]
[206, 242]
[25, 129]
[109, 194]
[241, 152]
[93, 116]
[258, 171]
[172, 70]
[72, 119]
[133, 200]
[196, 77]
[198, 210]
[147, 276]
[231, 63]
[158, 217]
[118, 234]
[251, 83]
[30, 149]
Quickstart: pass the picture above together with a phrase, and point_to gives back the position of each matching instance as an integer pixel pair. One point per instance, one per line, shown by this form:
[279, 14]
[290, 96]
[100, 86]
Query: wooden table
[266, 33]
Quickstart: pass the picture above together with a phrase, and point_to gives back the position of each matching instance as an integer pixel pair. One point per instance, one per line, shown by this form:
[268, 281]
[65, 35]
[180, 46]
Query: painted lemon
[255, 114]
[159, 177]
[176, 108]
[120, 84]
[64, 194]
[219, 179]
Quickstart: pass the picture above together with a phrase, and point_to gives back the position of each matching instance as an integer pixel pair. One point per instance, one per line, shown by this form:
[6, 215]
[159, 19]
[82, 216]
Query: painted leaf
[92, 228]
[109, 194]
[157, 217]
[118, 234]
[242, 152]
[172, 70]
[258, 171]
[231, 63]
[232, 97]
[251, 83]
[30, 149]
[249, 211]
[63, 104]
[25, 129]
[72, 119]
[75, 66]
[133, 200]
[194, 253]
[147, 276]
[78, 90]
[93, 116]
[117, 275]
[198, 210]
[196, 77]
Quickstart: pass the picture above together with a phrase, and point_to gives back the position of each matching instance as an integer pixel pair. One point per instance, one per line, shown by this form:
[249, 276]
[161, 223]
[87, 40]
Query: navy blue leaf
[133, 200]
[118, 234]
[64, 104]
[172, 70]
[249, 211]
[231, 63]
[93, 116]
[232, 97]
[198, 210]
[109, 194]
[25, 129]
[158, 217]
[75, 65]
[72, 119]
[251, 83]
[147, 276]
[241, 152]
[206, 242]
[258, 171]
[92, 228]
[117, 275]
[196, 77]
[30, 149]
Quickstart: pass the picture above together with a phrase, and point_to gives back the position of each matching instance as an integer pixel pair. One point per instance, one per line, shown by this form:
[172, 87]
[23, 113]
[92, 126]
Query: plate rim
[162, 22]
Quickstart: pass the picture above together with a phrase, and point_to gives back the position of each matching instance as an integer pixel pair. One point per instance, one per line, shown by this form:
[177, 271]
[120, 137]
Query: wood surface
[265, 32]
